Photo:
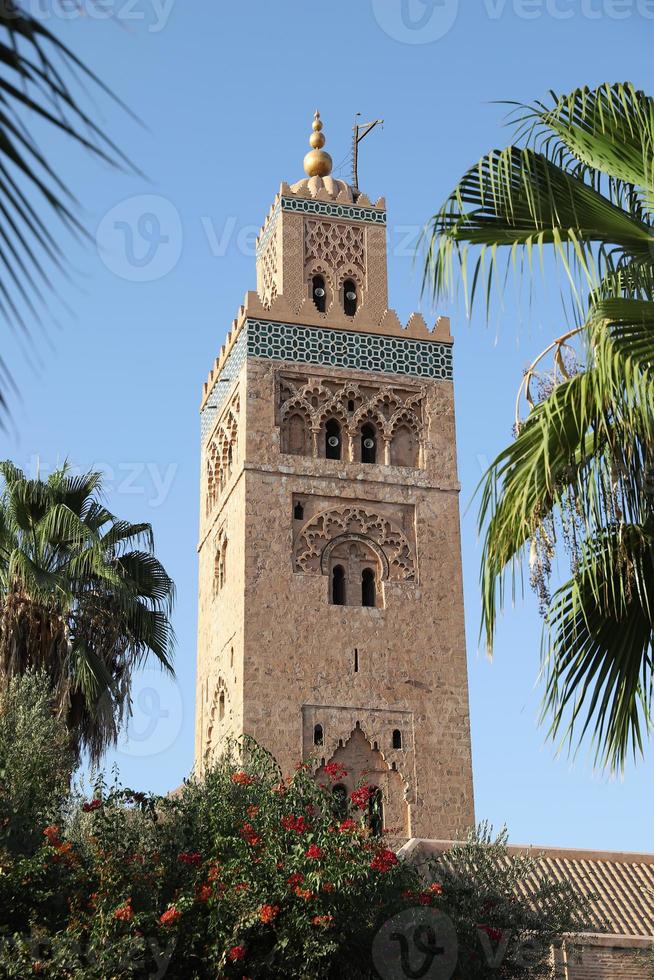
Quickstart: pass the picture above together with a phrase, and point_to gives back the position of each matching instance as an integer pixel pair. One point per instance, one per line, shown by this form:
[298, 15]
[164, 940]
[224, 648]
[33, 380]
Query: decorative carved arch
[326, 555]
[214, 721]
[358, 523]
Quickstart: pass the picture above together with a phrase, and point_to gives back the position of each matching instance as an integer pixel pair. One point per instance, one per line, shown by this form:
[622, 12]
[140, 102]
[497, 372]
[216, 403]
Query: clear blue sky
[227, 92]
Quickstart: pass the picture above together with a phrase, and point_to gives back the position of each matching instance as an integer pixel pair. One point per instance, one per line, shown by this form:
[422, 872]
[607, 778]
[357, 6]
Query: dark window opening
[376, 812]
[349, 297]
[333, 440]
[368, 588]
[368, 444]
[397, 739]
[356, 661]
[319, 293]
[298, 512]
[338, 586]
[350, 405]
[317, 735]
[339, 802]
[221, 706]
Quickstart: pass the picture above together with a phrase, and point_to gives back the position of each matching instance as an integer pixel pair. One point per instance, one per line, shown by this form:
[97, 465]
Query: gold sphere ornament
[317, 162]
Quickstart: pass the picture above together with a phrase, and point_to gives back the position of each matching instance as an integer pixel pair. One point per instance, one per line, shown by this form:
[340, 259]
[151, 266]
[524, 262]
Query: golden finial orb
[317, 162]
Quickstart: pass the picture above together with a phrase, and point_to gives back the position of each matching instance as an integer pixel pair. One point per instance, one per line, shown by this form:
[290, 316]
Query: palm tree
[579, 180]
[42, 87]
[82, 597]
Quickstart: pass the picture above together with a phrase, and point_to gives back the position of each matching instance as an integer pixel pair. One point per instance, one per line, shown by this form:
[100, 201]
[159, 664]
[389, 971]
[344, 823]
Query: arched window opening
[397, 739]
[317, 735]
[298, 512]
[350, 405]
[339, 802]
[368, 588]
[221, 706]
[368, 444]
[319, 293]
[376, 812]
[350, 297]
[338, 586]
[333, 440]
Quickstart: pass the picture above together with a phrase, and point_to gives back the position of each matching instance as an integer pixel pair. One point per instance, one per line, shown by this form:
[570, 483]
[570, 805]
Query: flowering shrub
[244, 875]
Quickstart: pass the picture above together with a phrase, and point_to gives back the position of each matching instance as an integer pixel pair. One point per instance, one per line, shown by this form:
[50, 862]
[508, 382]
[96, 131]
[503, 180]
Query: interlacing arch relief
[217, 715]
[338, 743]
[353, 406]
[222, 453]
[358, 524]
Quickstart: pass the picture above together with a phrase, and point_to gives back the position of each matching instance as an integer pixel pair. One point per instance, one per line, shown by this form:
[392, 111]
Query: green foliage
[243, 874]
[507, 913]
[44, 86]
[82, 597]
[579, 179]
[35, 763]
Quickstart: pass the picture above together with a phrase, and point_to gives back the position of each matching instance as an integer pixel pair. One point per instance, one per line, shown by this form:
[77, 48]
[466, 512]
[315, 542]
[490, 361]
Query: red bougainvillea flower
[268, 913]
[241, 887]
[361, 797]
[335, 771]
[249, 835]
[322, 920]
[303, 893]
[125, 912]
[314, 852]
[203, 893]
[192, 858]
[252, 811]
[383, 860]
[242, 779]
[236, 953]
[347, 825]
[51, 834]
[295, 879]
[435, 889]
[170, 917]
[297, 824]
[327, 886]
[495, 935]
[91, 806]
[214, 871]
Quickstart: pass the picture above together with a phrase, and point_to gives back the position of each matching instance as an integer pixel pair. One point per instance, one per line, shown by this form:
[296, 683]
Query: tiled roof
[623, 883]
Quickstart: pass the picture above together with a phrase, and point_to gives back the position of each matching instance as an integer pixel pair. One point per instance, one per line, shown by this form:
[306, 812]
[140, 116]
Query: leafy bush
[35, 762]
[245, 874]
[507, 913]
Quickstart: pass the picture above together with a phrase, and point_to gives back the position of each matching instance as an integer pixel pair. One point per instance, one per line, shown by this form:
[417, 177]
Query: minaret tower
[331, 609]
